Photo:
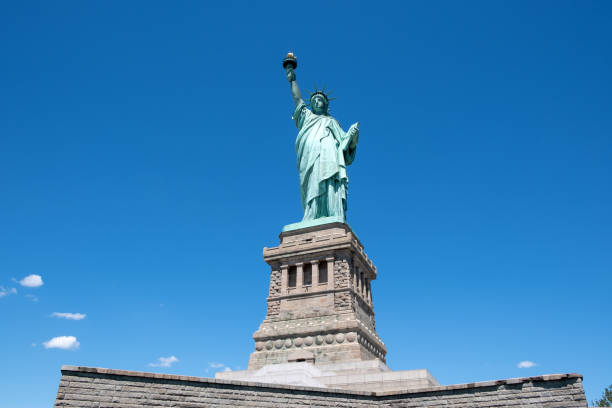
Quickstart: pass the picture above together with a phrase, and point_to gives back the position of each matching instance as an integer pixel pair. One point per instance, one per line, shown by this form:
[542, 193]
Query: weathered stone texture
[365, 313]
[85, 387]
[273, 307]
[540, 392]
[275, 282]
[342, 272]
[343, 301]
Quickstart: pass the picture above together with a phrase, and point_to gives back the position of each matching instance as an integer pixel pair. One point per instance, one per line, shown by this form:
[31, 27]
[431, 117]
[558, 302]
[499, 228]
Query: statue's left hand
[354, 135]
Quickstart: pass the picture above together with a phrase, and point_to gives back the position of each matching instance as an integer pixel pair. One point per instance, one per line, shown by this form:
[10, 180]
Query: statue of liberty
[323, 152]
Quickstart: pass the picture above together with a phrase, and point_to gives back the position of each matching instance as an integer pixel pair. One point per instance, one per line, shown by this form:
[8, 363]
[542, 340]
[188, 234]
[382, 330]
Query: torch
[290, 62]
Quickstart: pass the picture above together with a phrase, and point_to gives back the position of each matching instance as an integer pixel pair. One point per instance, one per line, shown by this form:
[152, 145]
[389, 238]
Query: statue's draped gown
[323, 153]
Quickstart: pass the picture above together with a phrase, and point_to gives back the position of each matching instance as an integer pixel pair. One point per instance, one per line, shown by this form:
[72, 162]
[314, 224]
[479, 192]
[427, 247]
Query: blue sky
[147, 157]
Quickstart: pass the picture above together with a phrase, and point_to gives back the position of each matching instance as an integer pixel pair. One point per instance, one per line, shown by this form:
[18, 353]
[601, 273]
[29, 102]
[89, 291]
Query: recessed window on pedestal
[323, 272]
[292, 276]
[307, 275]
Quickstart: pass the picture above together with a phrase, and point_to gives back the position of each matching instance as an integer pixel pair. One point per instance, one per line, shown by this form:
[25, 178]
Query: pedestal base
[102, 387]
[372, 375]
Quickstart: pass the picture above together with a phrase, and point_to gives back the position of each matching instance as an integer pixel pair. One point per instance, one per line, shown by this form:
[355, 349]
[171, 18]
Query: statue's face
[318, 104]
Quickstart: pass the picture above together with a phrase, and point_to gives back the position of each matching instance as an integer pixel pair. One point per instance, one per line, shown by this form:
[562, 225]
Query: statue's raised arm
[324, 151]
[290, 64]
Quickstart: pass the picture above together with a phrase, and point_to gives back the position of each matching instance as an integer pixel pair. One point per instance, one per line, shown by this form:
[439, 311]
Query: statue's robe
[323, 153]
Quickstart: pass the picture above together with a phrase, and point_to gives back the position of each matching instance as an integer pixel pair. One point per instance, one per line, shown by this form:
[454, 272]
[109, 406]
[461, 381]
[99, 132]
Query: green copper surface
[323, 152]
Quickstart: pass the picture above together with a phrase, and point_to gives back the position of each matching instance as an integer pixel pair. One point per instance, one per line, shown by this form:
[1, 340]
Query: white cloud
[5, 292]
[69, 316]
[218, 367]
[32, 281]
[32, 297]
[62, 342]
[526, 364]
[165, 362]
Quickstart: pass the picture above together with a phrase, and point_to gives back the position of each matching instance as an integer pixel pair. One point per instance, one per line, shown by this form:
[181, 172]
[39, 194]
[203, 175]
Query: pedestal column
[284, 278]
[299, 282]
[315, 274]
[330, 272]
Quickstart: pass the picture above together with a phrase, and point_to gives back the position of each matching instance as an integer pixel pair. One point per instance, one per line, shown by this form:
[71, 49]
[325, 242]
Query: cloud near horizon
[526, 364]
[31, 281]
[69, 316]
[217, 366]
[164, 362]
[62, 342]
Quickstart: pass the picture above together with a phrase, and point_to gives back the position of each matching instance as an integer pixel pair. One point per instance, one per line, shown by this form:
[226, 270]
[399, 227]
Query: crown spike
[321, 92]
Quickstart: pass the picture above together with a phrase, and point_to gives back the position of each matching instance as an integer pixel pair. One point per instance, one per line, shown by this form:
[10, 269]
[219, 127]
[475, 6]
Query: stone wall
[549, 391]
[275, 282]
[342, 271]
[86, 387]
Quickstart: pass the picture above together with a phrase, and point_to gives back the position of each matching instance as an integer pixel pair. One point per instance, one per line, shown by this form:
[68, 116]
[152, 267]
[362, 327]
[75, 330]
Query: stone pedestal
[320, 306]
[319, 330]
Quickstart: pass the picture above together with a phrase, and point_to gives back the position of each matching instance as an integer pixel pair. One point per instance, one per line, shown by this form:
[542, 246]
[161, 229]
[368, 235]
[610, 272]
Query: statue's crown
[322, 93]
